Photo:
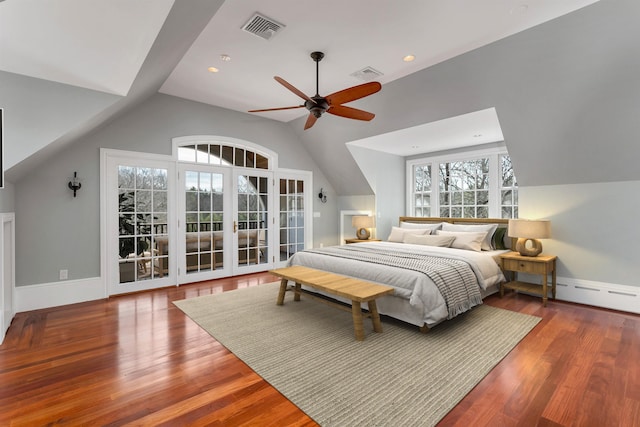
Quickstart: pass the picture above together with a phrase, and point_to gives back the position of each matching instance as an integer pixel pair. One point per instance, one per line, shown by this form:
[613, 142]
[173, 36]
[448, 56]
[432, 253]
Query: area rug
[399, 377]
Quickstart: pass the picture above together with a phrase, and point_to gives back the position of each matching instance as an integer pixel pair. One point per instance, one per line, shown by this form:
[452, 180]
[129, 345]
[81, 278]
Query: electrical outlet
[64, 274]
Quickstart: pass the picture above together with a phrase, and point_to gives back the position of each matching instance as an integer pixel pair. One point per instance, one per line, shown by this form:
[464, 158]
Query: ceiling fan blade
[353, 93]
[350, 113]
[275, 109]
[311, 120]
[292, 88]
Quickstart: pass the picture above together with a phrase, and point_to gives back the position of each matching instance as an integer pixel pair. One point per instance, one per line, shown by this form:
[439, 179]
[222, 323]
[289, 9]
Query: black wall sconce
[322, 196]
[74, 184]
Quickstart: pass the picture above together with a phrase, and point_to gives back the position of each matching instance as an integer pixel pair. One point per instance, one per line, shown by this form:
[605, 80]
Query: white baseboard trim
[45, 295]
[599, 294]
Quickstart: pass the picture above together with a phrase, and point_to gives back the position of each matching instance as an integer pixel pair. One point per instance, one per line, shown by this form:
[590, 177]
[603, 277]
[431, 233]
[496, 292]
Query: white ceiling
[101, 45]
[477, 128]
[97, 45]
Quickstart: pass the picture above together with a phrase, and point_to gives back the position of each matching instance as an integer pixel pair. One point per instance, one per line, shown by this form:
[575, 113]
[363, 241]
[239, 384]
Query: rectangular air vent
[263, 27]
[367, 74]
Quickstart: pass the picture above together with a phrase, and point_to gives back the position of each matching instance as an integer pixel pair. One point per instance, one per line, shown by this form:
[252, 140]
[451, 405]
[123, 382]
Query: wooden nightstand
[347, 241]
[541, 264]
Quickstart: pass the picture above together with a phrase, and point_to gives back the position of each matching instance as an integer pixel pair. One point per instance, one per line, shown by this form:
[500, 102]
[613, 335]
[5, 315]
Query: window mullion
[494, 186]
[435, 189]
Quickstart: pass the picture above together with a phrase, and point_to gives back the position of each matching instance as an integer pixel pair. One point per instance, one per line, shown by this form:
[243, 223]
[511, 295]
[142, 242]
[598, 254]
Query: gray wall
[62, 232]
[385, 173]
[7, 198]
[38, 112]
[594, 228]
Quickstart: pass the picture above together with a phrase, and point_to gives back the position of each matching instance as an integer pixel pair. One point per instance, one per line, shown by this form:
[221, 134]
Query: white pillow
[427, 240]
[465, 239]
[417, 226]
[487, 244]
[397, 233]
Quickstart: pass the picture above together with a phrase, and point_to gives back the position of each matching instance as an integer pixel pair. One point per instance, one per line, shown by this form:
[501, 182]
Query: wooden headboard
[502, 223]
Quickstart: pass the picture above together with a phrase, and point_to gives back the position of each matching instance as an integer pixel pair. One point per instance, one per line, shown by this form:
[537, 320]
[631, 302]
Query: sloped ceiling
[566, 94]
[564, 91]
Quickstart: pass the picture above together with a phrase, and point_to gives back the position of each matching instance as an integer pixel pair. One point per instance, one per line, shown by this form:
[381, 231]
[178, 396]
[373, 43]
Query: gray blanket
[454, 278]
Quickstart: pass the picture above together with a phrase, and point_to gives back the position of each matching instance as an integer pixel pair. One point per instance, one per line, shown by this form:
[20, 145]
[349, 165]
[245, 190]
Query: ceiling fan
[332, 104]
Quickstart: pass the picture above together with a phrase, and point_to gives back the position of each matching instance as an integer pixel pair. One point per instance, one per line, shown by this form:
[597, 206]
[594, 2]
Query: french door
[169, 223]
[139, 220]
[253, 221]
[225, 222]
[204, 225]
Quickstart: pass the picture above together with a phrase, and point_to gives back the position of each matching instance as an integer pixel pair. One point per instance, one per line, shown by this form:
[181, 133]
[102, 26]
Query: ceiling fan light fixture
[332, 104]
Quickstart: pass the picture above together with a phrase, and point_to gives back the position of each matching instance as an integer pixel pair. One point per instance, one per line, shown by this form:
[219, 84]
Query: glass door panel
[142, 219]
[292, 215]
[138, 203]
[205, 240]
[252, 225]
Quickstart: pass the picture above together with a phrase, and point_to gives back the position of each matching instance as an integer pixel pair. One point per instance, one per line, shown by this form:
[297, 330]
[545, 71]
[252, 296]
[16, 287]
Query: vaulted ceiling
[113, 55]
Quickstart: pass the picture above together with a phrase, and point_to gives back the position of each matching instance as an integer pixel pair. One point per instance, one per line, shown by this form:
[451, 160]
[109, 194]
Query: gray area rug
[400, 377]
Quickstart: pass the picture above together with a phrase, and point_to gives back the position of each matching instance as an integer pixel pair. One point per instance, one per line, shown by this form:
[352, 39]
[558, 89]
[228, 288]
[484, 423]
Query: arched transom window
[221, 154]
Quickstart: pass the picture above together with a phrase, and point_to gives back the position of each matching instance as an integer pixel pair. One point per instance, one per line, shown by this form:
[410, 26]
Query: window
[222, 155]
[292, 214]
[478, 184]
[464, 189]
[508, 188]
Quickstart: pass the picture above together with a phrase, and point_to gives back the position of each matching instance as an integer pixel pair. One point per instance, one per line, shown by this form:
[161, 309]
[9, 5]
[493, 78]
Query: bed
[439, 267]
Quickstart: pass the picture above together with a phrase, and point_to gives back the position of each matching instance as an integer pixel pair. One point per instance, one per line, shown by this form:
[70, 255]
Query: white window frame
[495, 209]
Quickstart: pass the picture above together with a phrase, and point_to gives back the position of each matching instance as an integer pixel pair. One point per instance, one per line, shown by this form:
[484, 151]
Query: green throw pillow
[498, 238]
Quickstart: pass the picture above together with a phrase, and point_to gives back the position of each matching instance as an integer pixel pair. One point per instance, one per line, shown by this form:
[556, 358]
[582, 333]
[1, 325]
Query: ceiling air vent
[262, 26]
[367, 73]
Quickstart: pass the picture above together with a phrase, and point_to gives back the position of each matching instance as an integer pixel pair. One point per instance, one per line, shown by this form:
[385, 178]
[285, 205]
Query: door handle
[235, 226]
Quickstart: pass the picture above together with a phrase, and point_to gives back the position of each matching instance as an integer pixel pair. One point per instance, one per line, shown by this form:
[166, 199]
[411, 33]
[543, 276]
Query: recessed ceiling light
[225, 57]
[408, 58]
[212, 69]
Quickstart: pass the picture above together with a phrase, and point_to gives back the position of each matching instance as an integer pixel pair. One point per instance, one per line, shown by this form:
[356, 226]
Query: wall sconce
[322, 195]
[74, 184]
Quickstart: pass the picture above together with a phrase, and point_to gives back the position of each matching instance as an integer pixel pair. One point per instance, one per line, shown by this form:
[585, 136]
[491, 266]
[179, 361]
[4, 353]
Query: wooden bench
[358, 291]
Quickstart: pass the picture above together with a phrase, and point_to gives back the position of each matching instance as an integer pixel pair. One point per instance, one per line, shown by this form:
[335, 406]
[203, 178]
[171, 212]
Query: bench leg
[283, 290]
[358, 327]
[375, 317]
[296, 297]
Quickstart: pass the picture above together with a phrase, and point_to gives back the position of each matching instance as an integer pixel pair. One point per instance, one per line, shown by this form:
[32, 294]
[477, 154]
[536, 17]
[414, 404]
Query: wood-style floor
[138, 360]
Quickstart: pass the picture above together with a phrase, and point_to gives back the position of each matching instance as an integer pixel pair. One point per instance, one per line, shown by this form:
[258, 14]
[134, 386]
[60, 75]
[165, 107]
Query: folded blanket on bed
[455, 279]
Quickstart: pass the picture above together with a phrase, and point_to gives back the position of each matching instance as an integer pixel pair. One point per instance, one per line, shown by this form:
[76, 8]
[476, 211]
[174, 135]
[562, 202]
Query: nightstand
[541, 264]
[347, 241]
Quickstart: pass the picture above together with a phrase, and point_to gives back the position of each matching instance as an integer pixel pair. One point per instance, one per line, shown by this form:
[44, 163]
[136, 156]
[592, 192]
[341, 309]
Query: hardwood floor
[138, 360]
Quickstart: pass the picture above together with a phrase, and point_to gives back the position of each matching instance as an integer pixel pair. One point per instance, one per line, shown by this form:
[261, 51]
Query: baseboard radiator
[599, 294]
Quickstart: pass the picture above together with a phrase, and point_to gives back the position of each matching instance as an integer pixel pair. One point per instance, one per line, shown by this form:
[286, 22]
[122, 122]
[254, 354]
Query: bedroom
[574, 155]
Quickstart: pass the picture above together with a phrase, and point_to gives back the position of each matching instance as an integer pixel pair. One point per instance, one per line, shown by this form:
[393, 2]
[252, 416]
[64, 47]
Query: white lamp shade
[360, 221]
[530, 229]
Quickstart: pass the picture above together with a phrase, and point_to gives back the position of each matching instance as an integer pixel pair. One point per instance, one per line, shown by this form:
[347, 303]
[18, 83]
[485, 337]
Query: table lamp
[528, 232]
[362, 223]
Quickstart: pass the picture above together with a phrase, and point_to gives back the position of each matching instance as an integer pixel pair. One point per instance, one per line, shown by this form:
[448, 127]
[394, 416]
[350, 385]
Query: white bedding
[421, 297]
